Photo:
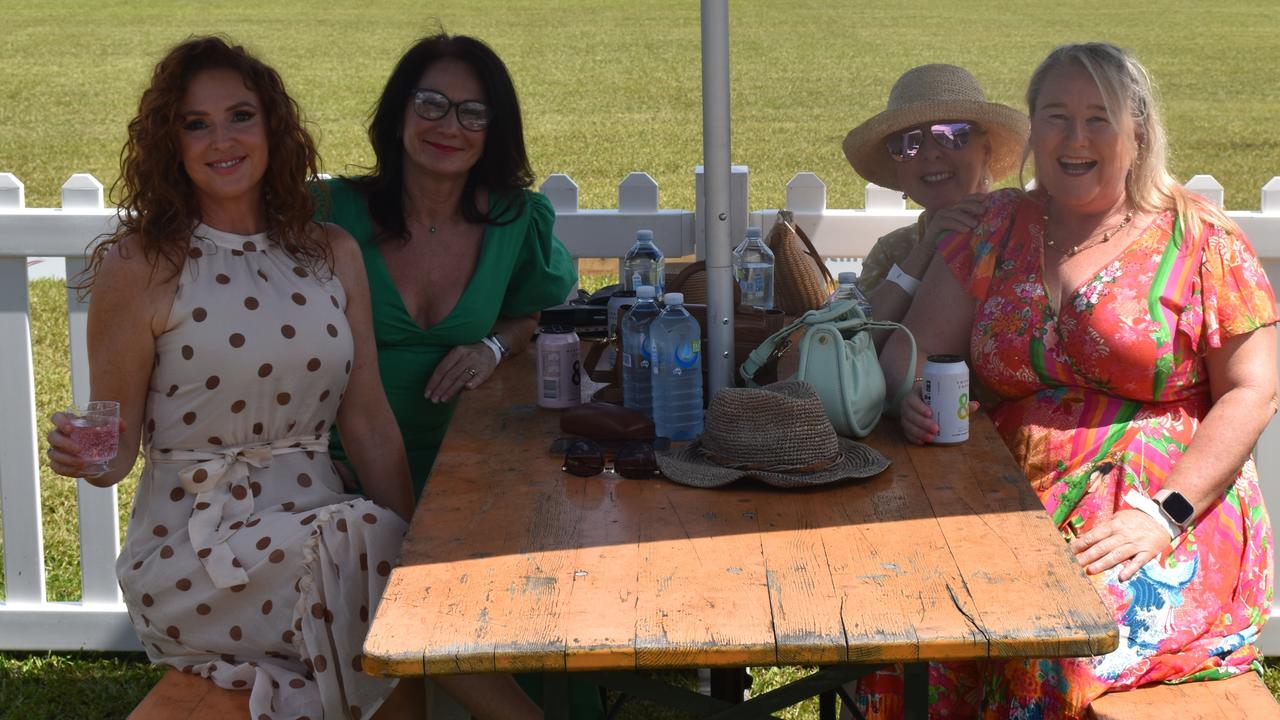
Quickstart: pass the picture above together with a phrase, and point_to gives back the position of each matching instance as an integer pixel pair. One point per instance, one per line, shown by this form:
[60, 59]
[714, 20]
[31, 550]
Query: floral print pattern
[1097, 397]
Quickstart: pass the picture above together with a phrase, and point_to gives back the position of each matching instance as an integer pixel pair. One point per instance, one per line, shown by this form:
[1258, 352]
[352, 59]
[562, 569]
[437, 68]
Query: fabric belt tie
[224, 499]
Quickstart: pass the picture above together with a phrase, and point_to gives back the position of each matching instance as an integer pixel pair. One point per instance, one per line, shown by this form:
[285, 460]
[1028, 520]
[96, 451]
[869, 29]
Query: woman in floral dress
[1126, 326]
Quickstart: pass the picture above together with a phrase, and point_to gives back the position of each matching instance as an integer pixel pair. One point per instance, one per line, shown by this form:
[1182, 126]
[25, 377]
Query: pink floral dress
[1099, 397]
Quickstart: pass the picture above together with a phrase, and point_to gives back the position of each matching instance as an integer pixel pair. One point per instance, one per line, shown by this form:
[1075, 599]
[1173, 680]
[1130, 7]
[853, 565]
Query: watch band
[899, 277]
[1146, 505]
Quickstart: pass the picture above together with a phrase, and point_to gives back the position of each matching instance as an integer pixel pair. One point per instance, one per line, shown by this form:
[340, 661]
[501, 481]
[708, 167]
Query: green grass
[611, 87]
[607, 88]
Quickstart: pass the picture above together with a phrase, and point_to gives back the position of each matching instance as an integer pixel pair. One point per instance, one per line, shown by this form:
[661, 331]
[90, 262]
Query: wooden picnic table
[511, 565]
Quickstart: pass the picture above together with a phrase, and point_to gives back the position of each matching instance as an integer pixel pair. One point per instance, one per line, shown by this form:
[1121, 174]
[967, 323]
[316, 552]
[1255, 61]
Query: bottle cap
[753, 232]
[644, 235]
[646, 291]
[847, 278]
[673, 299]
[557, 330]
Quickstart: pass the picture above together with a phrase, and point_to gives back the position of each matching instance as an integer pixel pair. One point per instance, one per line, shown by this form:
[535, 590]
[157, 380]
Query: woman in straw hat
[1127, 328]
[940, 142]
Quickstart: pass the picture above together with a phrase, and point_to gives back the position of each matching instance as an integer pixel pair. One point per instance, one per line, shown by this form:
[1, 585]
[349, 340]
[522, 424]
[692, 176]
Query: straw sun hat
[778, 433]
[932, 93]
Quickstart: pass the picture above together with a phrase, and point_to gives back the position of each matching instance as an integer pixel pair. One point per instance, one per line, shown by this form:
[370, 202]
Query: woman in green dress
[460, 253]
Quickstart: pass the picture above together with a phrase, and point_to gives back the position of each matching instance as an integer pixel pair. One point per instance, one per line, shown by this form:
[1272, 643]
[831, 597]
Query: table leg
[555, 695]
[827, 706]
[915, 689]
[729, 684]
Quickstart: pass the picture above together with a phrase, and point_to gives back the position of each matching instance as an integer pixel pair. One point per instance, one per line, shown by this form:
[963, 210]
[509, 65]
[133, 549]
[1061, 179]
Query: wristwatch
[1175, 507]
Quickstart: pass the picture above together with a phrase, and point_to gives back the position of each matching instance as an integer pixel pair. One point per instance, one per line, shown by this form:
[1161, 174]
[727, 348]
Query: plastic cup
[95, 427]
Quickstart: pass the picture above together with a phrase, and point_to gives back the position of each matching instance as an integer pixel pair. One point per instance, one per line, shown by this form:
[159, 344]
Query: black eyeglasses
[906, 144]
[431, 104]
[632, 459]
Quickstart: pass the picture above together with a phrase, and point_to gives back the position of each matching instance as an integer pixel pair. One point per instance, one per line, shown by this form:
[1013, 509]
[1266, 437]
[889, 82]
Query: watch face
[1177, 508]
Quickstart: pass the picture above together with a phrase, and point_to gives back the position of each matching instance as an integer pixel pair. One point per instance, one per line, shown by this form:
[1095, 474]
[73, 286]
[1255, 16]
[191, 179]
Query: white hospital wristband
[899, 277]
[1144, 504]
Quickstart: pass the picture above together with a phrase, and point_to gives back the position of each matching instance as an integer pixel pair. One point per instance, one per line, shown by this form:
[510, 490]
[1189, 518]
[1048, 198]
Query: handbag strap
[844, 315]
[788, 218]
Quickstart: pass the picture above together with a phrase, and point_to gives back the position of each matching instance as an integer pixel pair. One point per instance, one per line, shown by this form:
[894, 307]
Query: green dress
[522, 269]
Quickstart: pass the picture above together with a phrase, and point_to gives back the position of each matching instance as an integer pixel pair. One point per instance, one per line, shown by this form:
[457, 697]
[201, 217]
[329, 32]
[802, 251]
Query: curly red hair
[158, 202]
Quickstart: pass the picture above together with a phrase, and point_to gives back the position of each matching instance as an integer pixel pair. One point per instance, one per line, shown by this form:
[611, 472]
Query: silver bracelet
[493, 343]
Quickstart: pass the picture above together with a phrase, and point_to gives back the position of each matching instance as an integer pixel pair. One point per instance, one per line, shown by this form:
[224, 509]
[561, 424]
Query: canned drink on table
[946, 392]
[559, 367]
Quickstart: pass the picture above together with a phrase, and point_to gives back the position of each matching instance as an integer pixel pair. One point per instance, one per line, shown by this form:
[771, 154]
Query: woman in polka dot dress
[234, 331]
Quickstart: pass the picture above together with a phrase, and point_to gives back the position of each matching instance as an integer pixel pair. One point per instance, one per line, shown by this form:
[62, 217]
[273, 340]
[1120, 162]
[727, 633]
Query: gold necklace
[1048, 241]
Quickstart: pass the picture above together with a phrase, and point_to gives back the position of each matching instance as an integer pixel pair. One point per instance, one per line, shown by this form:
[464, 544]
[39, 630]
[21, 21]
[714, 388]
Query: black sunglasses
[632, 459]
[905, 145]
[431, 104]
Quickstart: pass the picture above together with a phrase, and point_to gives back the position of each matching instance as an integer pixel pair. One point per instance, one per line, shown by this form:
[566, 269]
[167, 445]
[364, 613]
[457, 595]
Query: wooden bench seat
[1244, 696]
[179, 696]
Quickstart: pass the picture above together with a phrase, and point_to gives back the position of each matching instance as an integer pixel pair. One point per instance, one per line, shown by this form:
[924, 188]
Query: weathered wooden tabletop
[513, 565]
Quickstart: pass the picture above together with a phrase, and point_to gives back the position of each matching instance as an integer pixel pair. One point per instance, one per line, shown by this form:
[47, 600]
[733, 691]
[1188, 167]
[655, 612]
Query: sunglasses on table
[431, 104]
[631, 459]
[951, 135]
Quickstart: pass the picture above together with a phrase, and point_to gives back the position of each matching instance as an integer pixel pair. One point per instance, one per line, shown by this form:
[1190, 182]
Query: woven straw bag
[801, 280]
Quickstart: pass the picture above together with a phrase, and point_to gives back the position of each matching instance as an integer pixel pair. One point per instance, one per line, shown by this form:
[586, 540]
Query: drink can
[946, 392]
[559, 367]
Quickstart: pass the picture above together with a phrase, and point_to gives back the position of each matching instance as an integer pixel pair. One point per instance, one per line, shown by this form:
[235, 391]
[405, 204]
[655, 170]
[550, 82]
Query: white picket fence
[28, 621]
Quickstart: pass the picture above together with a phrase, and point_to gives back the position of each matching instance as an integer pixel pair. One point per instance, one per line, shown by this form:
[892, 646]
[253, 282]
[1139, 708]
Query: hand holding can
[946, 392]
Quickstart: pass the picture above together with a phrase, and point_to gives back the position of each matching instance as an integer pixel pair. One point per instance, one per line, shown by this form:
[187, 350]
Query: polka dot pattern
[257, 357]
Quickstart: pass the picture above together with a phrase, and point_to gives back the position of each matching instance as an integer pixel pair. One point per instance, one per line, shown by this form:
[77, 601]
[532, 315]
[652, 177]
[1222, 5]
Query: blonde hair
[1127, 91]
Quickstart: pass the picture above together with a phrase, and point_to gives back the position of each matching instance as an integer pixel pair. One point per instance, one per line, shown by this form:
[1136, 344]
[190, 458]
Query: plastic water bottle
[677, 371]
[753, 268]
[848, 290]
[637, 352]
[644, 264]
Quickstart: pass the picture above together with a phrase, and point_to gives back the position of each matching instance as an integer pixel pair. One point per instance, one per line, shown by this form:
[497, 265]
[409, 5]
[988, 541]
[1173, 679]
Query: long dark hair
[157, 201]
[503, 167]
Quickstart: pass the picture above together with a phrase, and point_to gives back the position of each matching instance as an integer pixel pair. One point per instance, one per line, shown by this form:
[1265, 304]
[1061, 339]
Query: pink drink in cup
[95, 427]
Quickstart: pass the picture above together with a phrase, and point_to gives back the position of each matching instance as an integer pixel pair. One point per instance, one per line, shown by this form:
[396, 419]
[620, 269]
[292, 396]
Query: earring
[904, 196]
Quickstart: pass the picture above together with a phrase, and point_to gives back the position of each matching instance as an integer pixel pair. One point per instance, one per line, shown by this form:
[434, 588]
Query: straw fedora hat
[930, 93]
[778, 433]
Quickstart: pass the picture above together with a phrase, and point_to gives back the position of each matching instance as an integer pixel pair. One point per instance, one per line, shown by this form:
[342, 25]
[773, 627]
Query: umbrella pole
[718, 357]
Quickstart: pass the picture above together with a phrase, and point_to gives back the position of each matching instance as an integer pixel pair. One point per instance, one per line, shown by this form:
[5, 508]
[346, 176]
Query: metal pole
[716, 162]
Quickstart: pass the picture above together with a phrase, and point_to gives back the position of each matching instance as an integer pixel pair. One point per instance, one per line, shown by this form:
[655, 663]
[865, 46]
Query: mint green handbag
[838, 357]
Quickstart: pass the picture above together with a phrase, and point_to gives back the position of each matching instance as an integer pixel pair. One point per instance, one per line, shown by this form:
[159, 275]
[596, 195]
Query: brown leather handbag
[801, 281]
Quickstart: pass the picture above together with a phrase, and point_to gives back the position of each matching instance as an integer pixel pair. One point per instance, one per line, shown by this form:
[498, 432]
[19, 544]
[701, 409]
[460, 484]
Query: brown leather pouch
[603, 421]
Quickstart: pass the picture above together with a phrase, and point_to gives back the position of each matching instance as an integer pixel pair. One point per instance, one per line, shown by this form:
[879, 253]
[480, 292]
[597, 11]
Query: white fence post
[19, 471]
[1208, 186]
[99, 520]
[562, 191]
[806, 193]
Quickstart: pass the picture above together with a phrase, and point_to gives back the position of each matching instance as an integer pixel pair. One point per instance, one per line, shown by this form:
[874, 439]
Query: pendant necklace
[1106, 236]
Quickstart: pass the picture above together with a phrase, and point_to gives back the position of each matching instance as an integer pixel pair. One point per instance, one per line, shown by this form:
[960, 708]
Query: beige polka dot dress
[244, 560]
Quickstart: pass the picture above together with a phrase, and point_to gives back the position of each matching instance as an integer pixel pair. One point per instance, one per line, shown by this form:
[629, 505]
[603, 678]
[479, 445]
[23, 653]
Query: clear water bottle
[753, 268]
[637, 352]
[677, 371]
[644, 264]
[848, 290]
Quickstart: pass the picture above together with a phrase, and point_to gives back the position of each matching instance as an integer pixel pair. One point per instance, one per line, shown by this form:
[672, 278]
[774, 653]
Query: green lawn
[613, 87]
[607, 88]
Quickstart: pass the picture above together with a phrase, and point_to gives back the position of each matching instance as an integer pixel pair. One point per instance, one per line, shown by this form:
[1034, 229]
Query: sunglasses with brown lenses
[631, 459]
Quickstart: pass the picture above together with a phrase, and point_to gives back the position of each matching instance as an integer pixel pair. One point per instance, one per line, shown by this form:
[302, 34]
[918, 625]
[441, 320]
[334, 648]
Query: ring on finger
[471, 372]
